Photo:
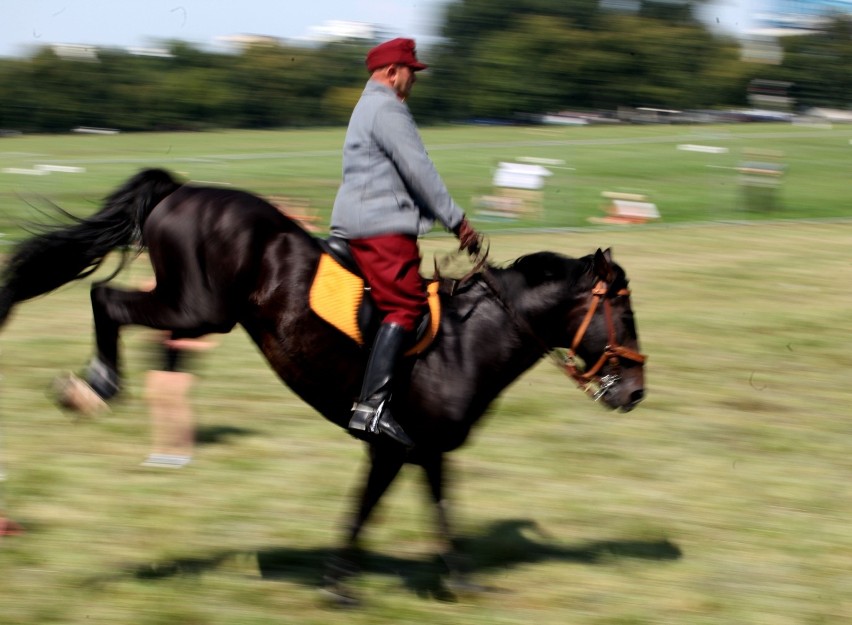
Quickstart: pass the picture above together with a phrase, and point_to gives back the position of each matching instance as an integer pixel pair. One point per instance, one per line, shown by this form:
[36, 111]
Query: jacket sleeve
[397, 134]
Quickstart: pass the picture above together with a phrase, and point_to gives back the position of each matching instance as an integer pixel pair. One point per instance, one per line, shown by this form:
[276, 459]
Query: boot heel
[388, 426]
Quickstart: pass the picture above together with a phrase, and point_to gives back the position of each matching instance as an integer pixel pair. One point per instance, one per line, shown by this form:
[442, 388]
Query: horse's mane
[510, 281]
[541, 267]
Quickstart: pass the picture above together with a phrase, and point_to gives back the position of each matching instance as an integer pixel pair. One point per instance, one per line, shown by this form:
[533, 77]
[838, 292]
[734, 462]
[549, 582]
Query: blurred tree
[819, 65]
[19, 99]
[649, 62]
[338, 102]
[503, 82]
[499, 59]
[284, 85]
[266, 80]
[667, 11]
[59, 90]
[504, 59]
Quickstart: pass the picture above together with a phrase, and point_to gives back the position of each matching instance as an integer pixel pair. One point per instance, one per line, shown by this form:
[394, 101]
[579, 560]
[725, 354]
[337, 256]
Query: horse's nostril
[637, 396]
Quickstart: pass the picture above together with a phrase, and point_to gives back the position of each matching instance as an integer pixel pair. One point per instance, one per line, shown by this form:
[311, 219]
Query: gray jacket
[390, 185]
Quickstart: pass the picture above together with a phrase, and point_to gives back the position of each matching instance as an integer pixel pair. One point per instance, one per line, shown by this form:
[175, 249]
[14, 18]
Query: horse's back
[213, 213]
[216, 241]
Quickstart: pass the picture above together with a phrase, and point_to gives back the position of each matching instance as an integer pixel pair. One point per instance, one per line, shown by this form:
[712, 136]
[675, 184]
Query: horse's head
[603, 355]
[581, 311]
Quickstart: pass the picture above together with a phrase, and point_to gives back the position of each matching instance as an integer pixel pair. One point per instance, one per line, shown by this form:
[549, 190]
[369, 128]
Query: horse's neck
[497, 317]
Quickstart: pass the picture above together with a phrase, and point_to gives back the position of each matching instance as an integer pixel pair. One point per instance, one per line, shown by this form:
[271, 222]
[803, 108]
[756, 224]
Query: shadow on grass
[218, 434]
[503, 545]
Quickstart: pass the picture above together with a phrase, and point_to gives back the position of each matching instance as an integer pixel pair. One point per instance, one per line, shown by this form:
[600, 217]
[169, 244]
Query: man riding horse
[390, 194]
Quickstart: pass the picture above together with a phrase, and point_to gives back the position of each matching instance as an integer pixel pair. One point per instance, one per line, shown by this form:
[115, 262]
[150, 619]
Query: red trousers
[391, 266]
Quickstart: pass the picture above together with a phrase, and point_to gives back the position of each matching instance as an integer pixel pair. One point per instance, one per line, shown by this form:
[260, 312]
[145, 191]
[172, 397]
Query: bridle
[590, 380]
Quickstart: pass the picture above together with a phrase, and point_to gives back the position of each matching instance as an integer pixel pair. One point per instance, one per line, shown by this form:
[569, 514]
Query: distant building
[243, 41]
[75, 51]
[336, 30]
[773, 19]
[790, 17]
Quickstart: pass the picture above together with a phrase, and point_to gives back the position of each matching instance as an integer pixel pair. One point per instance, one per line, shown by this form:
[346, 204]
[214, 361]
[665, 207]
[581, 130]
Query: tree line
[497, 59]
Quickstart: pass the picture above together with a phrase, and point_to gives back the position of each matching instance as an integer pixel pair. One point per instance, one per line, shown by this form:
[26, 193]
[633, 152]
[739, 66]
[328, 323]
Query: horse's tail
[56, 255]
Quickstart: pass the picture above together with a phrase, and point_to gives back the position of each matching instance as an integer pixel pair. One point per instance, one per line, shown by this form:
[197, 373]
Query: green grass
[305, 165]
[722, 499]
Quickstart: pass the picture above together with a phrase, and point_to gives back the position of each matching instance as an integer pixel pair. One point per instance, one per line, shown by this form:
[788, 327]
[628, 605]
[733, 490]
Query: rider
[390, 194]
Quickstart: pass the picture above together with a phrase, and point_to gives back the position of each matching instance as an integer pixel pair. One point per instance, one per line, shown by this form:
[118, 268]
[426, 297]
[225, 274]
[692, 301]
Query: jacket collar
[374, 86]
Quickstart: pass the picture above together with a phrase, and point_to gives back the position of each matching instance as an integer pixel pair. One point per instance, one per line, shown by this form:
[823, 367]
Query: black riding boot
[371, 413]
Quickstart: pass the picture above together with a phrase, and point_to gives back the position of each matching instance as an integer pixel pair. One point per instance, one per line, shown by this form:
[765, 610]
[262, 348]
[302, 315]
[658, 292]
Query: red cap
[396, 51]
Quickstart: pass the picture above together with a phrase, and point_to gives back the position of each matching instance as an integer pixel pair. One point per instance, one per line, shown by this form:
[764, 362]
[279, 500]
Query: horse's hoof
[72, 393]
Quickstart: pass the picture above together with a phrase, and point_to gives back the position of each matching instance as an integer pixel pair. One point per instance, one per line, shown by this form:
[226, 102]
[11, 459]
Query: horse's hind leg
[113, 308]
[103, 371]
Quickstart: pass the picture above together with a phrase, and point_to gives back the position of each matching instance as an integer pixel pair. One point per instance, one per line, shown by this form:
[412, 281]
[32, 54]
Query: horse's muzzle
[616, 393]
[635, 397]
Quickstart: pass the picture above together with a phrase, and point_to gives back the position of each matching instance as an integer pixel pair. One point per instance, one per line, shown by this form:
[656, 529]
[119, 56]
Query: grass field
[686, 186]
[723, 499]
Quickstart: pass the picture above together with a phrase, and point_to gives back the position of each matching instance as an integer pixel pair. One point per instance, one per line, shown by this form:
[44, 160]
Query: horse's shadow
[219, 434]
[502, 545]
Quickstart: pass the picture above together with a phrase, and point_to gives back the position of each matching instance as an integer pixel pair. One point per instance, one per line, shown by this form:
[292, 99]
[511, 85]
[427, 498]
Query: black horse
[223, 257]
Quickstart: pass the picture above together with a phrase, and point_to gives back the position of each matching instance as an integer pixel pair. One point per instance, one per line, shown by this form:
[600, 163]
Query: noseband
[590, 380]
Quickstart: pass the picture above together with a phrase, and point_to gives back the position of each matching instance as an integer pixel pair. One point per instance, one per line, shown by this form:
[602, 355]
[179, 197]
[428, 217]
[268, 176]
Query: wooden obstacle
[297, 209]
[626, 208]
[518, 190]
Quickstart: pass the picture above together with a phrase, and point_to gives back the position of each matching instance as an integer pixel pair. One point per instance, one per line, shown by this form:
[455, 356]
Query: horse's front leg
[434, 467]
[457, 565]
[385, 464]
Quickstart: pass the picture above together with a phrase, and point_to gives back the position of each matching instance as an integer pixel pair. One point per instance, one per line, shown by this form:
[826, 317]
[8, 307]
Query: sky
[25, 24]
[124, 23]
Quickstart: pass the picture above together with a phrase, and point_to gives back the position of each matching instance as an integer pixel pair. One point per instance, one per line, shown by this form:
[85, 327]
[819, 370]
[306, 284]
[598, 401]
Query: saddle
[340, 296]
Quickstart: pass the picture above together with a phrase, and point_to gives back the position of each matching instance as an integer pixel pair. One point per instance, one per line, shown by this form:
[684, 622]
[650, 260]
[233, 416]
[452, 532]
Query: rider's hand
[469, 239]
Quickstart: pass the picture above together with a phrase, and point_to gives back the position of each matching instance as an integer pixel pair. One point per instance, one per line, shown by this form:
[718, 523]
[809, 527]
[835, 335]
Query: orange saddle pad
[337, 294]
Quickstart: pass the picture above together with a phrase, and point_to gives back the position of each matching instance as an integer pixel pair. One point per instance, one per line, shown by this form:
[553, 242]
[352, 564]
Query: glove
[469, 239]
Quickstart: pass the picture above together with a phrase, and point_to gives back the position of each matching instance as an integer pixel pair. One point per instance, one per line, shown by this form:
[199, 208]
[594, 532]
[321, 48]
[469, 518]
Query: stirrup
[368, 422]
[365, 418]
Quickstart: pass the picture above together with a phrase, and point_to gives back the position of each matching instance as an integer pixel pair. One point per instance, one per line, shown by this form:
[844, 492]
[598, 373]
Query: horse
[223, 257]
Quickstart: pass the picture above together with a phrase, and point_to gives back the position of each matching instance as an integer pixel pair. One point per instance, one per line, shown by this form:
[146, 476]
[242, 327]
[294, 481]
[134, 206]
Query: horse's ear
[603, 265]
